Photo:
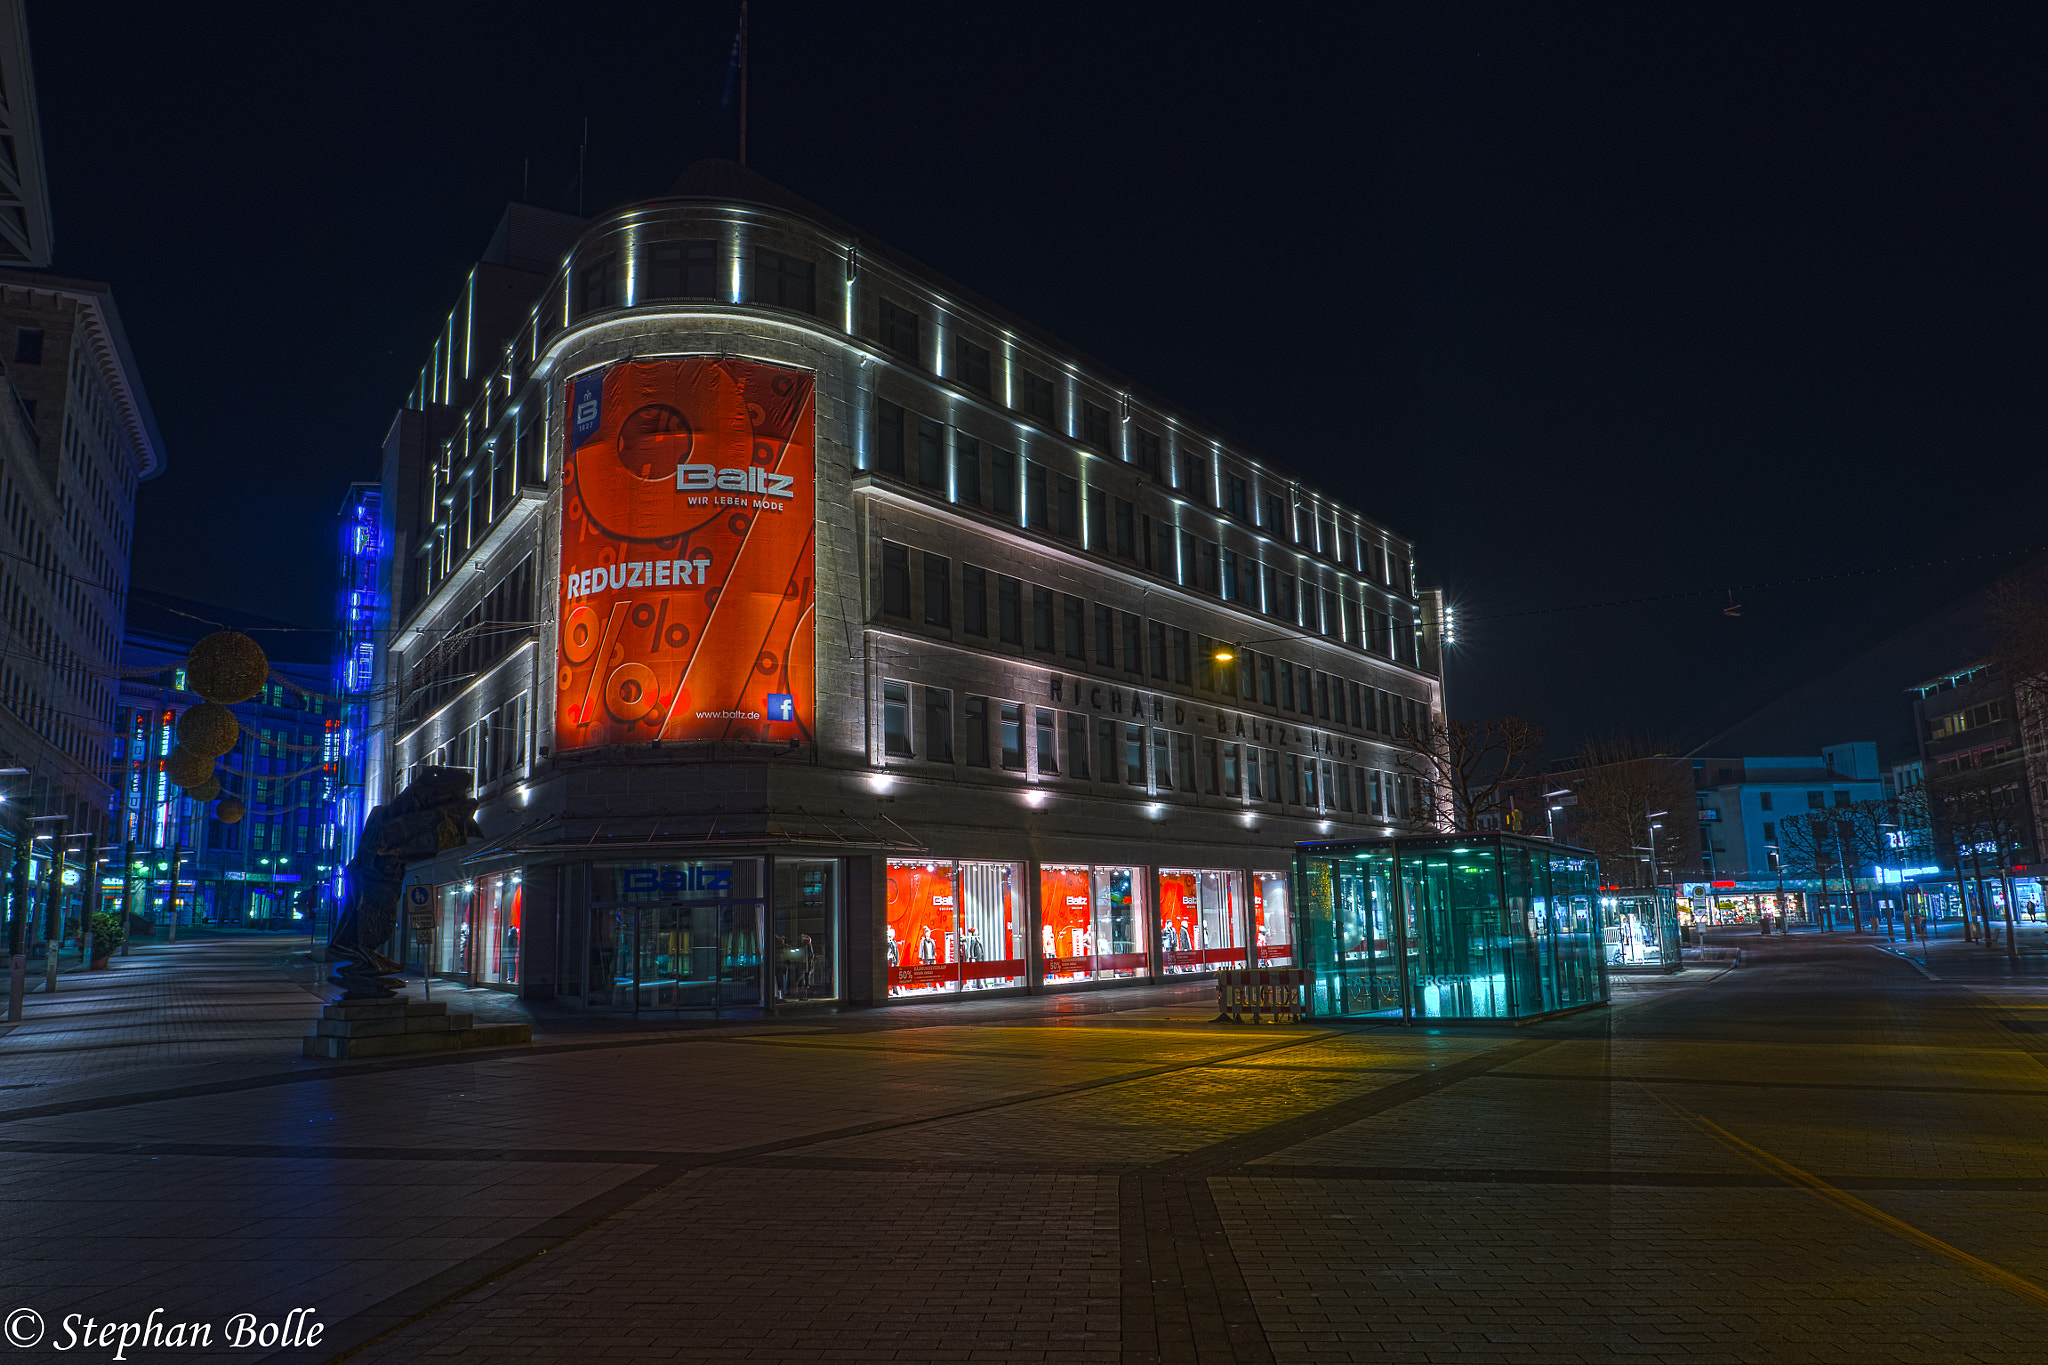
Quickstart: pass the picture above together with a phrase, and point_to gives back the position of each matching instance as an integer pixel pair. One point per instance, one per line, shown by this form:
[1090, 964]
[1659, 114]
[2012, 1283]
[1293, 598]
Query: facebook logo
[781, 706]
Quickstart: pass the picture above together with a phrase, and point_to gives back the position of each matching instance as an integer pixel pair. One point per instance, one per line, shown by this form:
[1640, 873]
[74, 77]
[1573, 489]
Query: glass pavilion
[1470, 926]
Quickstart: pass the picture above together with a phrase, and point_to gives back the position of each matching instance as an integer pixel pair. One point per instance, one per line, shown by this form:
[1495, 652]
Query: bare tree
[1982, 813]
[1472, 769]
[1624, 784]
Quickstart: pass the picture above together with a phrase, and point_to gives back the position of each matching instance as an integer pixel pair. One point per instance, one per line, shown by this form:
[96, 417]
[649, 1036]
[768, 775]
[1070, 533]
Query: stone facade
[1022, 463]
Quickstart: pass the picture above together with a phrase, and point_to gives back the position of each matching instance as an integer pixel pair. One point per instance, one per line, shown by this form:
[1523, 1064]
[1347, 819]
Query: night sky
[1593, 303]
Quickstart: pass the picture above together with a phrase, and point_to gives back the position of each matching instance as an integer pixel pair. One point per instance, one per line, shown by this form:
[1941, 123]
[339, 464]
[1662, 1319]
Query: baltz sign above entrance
[688, 584]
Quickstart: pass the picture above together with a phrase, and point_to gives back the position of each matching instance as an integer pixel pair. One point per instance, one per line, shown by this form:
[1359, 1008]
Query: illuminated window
[1047, 739]
[1013, 735]
[896, 719]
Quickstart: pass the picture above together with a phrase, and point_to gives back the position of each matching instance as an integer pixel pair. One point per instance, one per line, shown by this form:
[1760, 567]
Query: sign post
[419, 911]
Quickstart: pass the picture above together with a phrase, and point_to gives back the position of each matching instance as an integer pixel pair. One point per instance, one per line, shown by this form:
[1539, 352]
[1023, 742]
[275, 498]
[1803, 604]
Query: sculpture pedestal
[399, 1027]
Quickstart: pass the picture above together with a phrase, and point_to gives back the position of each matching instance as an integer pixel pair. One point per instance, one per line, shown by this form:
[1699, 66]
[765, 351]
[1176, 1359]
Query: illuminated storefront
[953, 926]
[1451, 927]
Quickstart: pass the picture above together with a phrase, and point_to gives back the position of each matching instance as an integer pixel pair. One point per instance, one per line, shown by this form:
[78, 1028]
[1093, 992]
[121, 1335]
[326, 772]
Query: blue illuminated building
[358, 613]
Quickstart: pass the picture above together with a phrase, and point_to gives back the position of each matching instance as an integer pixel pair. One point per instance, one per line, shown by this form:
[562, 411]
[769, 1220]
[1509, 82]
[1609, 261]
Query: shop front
[1441, 927]
[1772, 906]
[953, 926]
[477, 926]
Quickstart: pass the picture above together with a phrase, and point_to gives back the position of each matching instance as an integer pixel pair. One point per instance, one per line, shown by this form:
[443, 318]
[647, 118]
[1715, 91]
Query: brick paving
[1088, 1178]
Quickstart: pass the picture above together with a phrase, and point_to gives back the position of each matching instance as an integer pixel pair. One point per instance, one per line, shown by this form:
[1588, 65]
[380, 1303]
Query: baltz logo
[705, 478]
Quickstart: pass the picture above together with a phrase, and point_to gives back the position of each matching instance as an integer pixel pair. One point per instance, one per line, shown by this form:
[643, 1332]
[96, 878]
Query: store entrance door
[696, 954]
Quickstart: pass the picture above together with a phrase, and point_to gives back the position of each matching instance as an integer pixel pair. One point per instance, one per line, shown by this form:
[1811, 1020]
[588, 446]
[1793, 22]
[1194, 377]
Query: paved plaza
[1831, 1153]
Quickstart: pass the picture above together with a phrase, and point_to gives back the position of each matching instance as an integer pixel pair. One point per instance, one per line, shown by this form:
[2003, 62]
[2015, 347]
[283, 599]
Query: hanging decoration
[206, 790]
[226, 667]
[230, 811]
[188, 769]
[209, 729]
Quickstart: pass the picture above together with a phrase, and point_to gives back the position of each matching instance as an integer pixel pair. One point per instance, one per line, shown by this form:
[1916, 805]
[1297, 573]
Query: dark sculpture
[437, 812]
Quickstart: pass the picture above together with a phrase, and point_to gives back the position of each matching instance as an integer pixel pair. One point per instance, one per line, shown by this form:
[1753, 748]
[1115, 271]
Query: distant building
[254, 872]
[1742, 801]
[359, 612]
[25, 234]
[1984, 804]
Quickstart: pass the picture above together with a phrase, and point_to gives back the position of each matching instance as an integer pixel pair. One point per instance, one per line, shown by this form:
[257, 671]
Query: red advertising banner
[688, 552]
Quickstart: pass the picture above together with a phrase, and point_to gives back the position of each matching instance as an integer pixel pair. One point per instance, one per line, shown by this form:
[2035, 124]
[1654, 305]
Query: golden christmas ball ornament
[210, 729]
[226, 667]
[188, 769]
[230, 811]
[205, 791]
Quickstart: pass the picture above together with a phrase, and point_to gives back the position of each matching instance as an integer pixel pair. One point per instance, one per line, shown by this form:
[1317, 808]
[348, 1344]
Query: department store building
[818, 631]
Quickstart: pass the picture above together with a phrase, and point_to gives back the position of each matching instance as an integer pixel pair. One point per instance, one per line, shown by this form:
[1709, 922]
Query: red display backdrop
[922, 907]
[688, 551]
[1066, 922]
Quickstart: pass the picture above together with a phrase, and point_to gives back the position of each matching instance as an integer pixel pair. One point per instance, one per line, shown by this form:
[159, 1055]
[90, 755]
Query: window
[938, 724]
[1288, 608]
[1074, 620]
[1010, 610]
[1013, 735]
[786, 282]
[1816, 800]
[1184, 761]
[1842, 796]
[1230, 770]
[1763, 798]
[1770, 832]
[1211, 779]
[1208, 579]
[888, 437]
[1095, 427]
[1105, 747]
[1126, 529]
[1272, 776]
[600, 285]
[1337, 700]
[1002, 474]
[1038, 397]
[1041, 619]
[1034, 495]
[970, 364]
[931, 453]
[1253, 788]
[1361, 716]
[1134, 652]
[896, 719]
[899, 330]
[977, 732]
[1162, 761]
[1322, 690]
[1266, 679]
[1145, 449]
[1236, 498]
[1308, 781]
[1276, 513]
[1155, 636]
[895, 579]
[1233, 591]
[1096, 527]
[1167, 560]
[28, 346]
[1048, 742]
[683, 270]
[974, 600]
[1066, 506]
[1134, 755]
[966, 469]
[1286, 686]
[1077, 745]
[1294, 780]
[1182, 665]
[938, 591]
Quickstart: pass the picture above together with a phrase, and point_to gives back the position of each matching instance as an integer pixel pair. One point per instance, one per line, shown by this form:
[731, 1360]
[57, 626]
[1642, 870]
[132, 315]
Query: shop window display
[497, 906]
[679, 935]
[1272, 926]
[1201, 923]
[1119, 924]
[953, 926]
[1066, 923]
[453, 932]
[806, 943]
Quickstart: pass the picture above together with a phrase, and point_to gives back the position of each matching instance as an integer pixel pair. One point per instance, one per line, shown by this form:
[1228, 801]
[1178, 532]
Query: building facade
[815, 630]
[270, 869]
[76, 438]
[1982, 799]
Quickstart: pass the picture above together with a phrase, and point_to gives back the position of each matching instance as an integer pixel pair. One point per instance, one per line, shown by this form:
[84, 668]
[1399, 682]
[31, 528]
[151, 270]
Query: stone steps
[393, 1028]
